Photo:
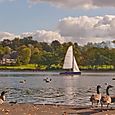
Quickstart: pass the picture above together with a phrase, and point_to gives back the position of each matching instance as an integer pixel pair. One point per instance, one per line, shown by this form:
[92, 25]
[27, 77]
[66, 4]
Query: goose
[106, 99]
[2, 97]
[95, 98]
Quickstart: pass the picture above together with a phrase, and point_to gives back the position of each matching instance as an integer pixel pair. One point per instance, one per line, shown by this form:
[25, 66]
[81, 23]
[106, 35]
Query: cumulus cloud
[81, 29]
[85, 29]
[39, 35]
[44, 36]
[78, 3]
[6, 35]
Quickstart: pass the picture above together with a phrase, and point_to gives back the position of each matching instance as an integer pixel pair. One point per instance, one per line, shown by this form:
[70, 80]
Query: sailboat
[70, 63]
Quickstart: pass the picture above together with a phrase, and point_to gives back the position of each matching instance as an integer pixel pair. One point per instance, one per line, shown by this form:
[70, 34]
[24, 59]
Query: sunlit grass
[43, 67]
[98, 67]
[28, 66]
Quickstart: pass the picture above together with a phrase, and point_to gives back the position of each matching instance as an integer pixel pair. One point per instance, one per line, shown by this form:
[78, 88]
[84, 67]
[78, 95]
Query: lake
[65, 90]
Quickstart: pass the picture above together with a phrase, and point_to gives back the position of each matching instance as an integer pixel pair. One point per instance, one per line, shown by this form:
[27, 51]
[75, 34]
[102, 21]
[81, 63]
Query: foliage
[24, 55]
[51, 56]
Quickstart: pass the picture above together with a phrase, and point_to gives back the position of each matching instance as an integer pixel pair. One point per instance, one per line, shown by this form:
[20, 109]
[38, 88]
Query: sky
[80, 21]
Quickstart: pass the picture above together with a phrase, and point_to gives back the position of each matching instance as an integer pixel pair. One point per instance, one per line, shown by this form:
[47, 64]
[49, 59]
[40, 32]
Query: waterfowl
[13, 102]
[2, 97]
[47, 80]
[106, 99]
[23, 81]
[95, 98]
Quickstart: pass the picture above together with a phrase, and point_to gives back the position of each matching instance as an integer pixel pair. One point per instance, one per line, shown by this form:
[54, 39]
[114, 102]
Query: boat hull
[70, 73]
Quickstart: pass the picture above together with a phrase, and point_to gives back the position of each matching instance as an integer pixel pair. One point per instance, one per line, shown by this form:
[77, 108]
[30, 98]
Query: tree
[15, 43]
[112, 56]
[77, 53]
[24, 54]
[1, 52]
[7, 50]
[45, 46]
[55, 45]
[35, 55]
[6, 42]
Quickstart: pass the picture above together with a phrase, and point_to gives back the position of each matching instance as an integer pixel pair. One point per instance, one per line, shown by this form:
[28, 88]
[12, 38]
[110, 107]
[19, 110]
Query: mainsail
[68, 61]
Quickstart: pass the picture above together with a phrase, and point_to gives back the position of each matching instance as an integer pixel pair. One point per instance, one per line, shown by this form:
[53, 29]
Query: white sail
[75, 66]
[68, 61]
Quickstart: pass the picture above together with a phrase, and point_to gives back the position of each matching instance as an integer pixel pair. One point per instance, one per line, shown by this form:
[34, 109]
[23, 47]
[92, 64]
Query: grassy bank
[34, 67]
[21, 67]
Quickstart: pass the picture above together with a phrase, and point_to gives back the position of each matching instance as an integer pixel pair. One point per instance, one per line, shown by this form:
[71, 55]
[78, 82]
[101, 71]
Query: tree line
[51, 56]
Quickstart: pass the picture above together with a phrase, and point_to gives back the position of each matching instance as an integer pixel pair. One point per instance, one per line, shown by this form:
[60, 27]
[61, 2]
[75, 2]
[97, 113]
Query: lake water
[66, 90]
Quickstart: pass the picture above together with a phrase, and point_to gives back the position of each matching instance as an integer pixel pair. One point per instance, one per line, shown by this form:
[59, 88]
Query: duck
[47, 80]
[106, 99]
[23, 81]
[95, 98]
[2, 97]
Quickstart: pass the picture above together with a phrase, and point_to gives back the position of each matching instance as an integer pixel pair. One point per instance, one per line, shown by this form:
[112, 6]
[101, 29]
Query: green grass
[43, 67]
[28, 66]
[104, 67]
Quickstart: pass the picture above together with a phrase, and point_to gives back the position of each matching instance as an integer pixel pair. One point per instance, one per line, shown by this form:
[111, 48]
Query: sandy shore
[31, 109]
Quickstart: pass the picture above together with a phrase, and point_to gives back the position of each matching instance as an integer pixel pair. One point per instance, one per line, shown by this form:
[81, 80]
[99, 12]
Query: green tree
[24, 55]
[1, 51]
[7, 50]
[35, 55]
[15, 43]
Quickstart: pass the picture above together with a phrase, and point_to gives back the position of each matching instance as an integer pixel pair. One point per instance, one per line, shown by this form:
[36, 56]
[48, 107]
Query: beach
[42, 109]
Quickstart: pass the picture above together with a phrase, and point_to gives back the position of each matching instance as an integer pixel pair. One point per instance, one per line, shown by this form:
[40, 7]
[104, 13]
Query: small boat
[70, 63]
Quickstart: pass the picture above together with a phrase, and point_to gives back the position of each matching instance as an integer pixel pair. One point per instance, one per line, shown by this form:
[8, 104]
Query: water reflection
[70, 90]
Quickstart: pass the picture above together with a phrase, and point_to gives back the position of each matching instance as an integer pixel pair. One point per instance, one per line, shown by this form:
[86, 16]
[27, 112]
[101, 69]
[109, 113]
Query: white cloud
[78, 3]
[81, 29]
[44, 36]
[85, 29]
[6, 35]
[39, 35]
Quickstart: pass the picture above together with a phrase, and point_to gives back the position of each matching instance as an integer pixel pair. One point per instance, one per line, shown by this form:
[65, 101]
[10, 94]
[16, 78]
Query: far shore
[37, 70]
[51, 109]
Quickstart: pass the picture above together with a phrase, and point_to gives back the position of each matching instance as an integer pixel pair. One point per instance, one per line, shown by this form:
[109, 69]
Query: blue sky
[20, 16]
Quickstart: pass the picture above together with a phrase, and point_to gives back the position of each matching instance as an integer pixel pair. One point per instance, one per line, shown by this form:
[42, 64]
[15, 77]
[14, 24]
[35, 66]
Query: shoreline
[51, 109]
[55, 70]
[33, 70]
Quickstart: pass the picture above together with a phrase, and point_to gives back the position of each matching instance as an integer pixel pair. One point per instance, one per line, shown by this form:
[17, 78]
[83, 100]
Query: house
[9, 59]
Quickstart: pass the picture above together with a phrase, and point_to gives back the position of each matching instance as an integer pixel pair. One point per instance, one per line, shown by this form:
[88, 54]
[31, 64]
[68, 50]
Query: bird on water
[47, 80]
[2, 97]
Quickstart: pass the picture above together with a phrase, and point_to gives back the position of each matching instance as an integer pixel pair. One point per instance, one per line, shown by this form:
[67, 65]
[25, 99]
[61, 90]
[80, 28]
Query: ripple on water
[62, 89]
